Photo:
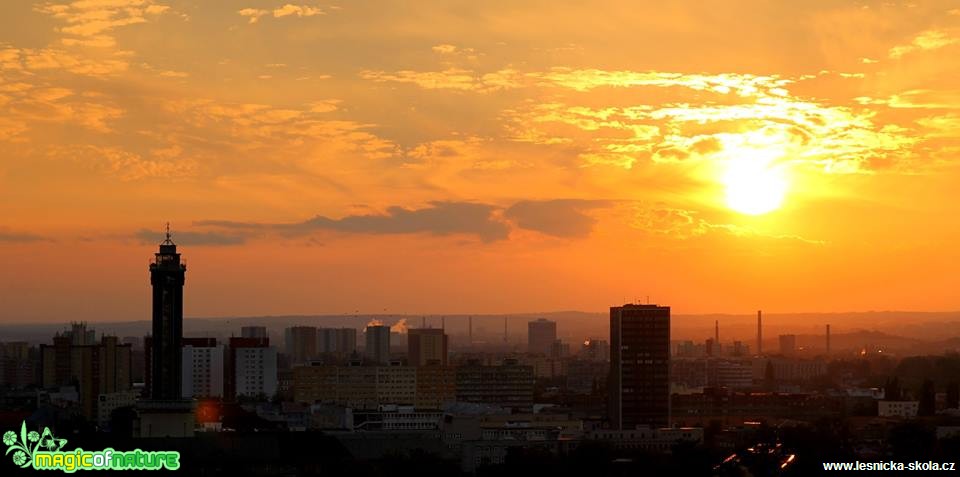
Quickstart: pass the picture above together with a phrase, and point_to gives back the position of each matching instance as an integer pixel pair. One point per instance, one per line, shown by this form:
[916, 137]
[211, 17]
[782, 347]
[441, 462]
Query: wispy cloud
[188, 237]
[91, 23]
[566, 218]
[452, 78]
[438, 218]
[253, 15]
[925, 41]
[298, 10]
[8, 235]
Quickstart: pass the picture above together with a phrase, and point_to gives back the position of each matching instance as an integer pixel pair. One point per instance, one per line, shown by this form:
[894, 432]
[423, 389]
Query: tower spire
[168, 240]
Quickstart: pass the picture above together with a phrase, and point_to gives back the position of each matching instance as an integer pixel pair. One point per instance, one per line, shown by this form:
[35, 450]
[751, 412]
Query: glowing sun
[754, 187]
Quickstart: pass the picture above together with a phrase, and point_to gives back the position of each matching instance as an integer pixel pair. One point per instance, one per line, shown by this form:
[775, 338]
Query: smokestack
[470, 328]
[828, 339]
[443, 323]
[716, 332]
[504, 329]
[423, 321]
[759, 332]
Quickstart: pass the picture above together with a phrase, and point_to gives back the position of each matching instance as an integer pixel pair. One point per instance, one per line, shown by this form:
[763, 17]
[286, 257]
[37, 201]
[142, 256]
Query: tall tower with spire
[167, 275]
[166, 413]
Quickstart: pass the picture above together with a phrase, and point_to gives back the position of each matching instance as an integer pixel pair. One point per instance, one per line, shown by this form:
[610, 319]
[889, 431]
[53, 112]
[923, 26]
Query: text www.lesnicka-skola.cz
[889, 465]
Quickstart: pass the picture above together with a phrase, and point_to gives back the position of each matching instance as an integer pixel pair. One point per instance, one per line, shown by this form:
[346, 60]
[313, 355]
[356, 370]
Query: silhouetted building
[339, 341]
[253, 332]
[79, 334]
[541, 334]
[19, 365]
[367, 387]
[93, 369]
[507, 385]
[639, 384]
[360, 387]
[426, 346]
[710, 347]
[595, 349]
[301, 344]
[165, 413]
[788, 345]
[167, 277]
[586, 376]
[436, 385]
[378, 344]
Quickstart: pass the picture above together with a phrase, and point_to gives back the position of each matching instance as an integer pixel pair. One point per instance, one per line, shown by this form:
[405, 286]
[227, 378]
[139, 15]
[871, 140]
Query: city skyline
[321, 158]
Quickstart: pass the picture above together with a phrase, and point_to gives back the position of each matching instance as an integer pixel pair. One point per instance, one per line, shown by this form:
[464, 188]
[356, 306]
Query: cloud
[306, 135]
[89, 22]
[444, 49]
[438, 218]
[451, 78]
[731, 113]
[455, 52]
[298, 10]
[181, 237]
[7, 235]
[746, 85]
[925, 41]
[253, 15]
[686, 224]
[27, 105]
[125, 165]
[565, 218]
[40, 59]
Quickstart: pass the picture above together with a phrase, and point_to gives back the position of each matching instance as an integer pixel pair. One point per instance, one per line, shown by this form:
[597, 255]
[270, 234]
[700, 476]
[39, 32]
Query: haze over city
[493, 157]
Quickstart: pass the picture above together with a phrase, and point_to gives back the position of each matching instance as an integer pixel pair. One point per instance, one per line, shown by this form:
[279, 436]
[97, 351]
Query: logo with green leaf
[26, 445]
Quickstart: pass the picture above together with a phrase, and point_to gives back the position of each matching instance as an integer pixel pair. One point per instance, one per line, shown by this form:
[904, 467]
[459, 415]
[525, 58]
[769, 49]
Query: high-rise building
[19, 364]
[251, 368]
[339, 341]
[378, 344]
[788, 345]
[595, 349]
[301, 344]
[346, 341]
[710, 347]
[253, 332]
[426, 346]
[327, 340]
[541, 334]
[93, 368]
[739, 349]
[202, 368]
[639, 383]
[80, 335]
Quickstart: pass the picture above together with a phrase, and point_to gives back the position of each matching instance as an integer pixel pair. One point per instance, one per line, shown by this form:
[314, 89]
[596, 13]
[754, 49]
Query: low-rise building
[898, 408]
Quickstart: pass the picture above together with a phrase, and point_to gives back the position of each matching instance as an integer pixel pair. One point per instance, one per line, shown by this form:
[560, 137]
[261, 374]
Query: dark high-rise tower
[639, 366]
[167, 276]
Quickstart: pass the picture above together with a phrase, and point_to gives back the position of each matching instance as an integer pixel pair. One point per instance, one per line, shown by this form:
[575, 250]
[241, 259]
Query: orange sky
[463, 156]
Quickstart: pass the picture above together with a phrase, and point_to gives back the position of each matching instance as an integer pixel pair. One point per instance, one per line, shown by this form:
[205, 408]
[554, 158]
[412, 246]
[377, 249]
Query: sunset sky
[464, 156]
